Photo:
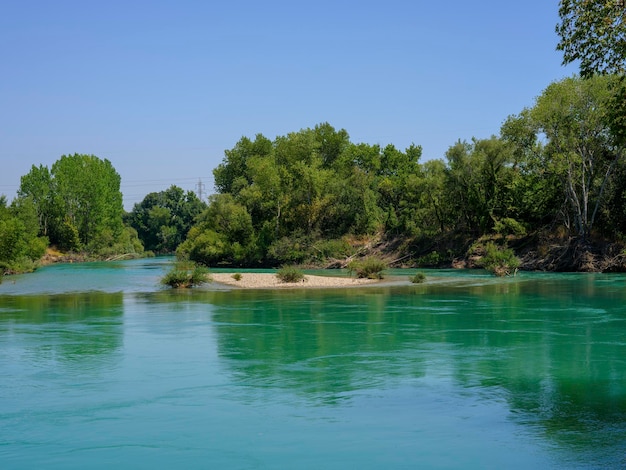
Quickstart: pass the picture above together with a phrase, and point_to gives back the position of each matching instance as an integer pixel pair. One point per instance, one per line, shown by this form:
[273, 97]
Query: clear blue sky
[162, 88]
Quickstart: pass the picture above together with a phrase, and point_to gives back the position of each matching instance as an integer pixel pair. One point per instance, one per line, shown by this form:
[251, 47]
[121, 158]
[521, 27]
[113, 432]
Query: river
[101, 367]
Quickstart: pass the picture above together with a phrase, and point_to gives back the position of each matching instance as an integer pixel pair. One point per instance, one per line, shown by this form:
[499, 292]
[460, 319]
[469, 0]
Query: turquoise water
[102, 368]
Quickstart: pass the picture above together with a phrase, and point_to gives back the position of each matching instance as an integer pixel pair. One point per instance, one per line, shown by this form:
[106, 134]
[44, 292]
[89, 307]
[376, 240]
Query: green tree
[435, 215]
[223, 234]
[593, 32]
[37, 185]
[163, 219]
[87, 192]
[331, 144]
[536, 189]
[580, 147]
[266, 197]
[20, 247]
[478, 183]
[232, 174]
[78, 203]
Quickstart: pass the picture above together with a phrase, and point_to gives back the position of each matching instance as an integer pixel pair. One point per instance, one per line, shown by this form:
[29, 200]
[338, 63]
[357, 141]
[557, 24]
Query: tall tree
[331, 143]
[87, 193]
[37, 185]
[20, 247]
[163, 218]
[78, 202]
[580, 147]
[233, 174]
[479, 181]
[594, 33]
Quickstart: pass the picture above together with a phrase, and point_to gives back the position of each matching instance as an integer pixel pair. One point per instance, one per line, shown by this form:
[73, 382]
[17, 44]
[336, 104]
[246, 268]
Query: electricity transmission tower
[199, 188]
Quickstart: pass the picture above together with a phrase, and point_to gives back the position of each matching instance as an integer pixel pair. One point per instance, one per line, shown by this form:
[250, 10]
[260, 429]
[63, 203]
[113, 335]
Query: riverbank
[270, 281]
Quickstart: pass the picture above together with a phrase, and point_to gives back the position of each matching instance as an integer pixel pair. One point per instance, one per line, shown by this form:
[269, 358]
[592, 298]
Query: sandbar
[269, 280]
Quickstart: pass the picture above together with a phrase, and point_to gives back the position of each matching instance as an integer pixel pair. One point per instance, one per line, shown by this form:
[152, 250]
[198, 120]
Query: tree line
[313, 195]
[555, 167]
[76, 207]
[553, 177]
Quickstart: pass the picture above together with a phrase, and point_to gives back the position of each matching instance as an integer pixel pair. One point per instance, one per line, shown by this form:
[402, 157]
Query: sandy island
[269, 280]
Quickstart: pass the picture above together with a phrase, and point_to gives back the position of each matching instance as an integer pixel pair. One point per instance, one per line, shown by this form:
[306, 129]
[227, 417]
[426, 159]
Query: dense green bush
[509, 226]
[431, 259]
[163, 219]
[335, 248]
[368, 268]
[418, 278]
[204, 246]
[289, 274]
[185, 274]
[499, 260]
[294, 249]
[20, 247]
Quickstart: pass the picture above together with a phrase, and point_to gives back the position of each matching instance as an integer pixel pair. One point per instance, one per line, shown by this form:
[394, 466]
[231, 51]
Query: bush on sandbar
[289, 274]
[368, 268]
[185, 274]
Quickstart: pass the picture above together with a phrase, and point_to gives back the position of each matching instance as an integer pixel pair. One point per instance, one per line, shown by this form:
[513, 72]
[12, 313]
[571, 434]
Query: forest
[550, 187]
[549, 190]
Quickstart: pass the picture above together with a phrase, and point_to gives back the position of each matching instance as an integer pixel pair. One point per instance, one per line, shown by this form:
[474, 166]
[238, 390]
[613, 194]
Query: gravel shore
[268, 280]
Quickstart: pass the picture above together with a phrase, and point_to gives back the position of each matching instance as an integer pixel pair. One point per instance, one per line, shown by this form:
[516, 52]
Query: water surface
[101, 367]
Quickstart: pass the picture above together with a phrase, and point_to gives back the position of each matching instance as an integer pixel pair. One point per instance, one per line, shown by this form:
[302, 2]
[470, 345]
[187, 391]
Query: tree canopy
[78, 204]
[593, 32]
[163, 219]
[300, 197]
[20, 245]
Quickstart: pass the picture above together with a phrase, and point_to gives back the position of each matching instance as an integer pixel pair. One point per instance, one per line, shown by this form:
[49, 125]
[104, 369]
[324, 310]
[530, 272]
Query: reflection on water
[463, 372]
[558, 360]
[76, 326]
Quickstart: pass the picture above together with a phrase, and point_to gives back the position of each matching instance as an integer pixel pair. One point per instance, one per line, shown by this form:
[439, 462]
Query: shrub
[236, 276]
[509, 226]
[336, 248]
[185, 275]
[431, 259]
[294, 249]
[499, 261]
[418, 278]
[368, 268]
[289, 274]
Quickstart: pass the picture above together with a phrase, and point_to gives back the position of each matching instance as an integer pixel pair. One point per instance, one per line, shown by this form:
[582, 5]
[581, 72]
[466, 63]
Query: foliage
[293, 249]
[580, 148]
[498, 260]
[509, 226]
[331, 249]
[77, 204]
[369, 267]
[20, 245]
[236, 276]
[297, 199]
[162, 220]
[223, 234]
[431, 259]
[418, 278]
[205, 247]
[592, 33]
[289, 274]
[480, 178]
[184, 274]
